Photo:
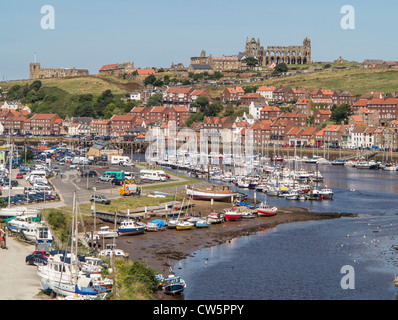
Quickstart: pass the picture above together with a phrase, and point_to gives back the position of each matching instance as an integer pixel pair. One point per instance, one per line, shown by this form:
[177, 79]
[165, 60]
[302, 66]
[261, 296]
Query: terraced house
[44, 124]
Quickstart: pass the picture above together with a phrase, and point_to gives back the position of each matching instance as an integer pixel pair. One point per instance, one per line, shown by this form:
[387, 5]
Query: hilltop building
[36, 72]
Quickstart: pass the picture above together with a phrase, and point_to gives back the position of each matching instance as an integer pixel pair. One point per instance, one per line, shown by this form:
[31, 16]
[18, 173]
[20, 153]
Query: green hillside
[94, 84]
[356, 80]
[96, 96]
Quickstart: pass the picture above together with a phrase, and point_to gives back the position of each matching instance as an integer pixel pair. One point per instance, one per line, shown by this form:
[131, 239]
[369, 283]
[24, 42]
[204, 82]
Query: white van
[119, 159]
[79, 160]
[37, 173]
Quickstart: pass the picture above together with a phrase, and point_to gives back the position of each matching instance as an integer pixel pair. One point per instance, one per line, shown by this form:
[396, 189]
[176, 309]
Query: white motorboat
[17, 211]
[242, 184]
[363, 165]
[22, 222]
[38, 233]
[292, 195]
[215, 218]
[104, 232]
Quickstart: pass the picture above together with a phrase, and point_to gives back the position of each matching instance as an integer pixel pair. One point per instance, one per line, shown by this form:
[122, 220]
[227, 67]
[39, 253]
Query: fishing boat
[184, 225]
[173, 285]
[232, 215]
[327, 193]
[323, 194]
[363, 165]
[215, 218]
[129, 227]
[38, 233]
[265, 210]
[218, 193]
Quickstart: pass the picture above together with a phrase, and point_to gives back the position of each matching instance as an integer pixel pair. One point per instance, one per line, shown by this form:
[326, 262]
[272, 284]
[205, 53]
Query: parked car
[104, 178]
[99, 199]
[127, 164]
[90, 173]
[117, 182]
[36, 258]
[19, 176]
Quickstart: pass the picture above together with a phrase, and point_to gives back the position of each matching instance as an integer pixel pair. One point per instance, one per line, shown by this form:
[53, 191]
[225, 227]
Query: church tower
[34, 71]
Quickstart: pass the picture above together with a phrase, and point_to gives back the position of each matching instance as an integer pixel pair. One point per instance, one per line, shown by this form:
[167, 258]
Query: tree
[155, 100]
[280, 68]
[29, 154]
[35, 85]
[149, 79]
[251, 62]
[201, 103]
[103, 100]
[341, 113]
[194, 117]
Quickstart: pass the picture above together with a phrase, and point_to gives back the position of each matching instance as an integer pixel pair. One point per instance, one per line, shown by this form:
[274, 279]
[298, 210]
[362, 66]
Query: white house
[358, 137]
[136, 96]
[254, 110]
[266, 92]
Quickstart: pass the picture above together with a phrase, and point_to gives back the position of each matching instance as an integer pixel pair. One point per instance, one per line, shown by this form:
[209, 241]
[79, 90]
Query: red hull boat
[266, 211]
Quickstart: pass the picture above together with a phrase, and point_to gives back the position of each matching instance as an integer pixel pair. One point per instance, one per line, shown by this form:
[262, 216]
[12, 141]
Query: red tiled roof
[270, 108]
[302, 101]
[361, 103]
[388, 101]
[108, 67]
[142, 72]
[266, 88]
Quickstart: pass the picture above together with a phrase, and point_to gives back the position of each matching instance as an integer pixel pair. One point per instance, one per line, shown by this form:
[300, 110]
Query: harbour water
[304, 260]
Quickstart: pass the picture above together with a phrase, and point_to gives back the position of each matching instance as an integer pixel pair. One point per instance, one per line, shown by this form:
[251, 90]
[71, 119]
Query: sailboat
[62, 274]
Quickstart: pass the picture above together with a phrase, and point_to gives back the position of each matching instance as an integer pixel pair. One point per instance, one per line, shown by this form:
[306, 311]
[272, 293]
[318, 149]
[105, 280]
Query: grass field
[94, 84]
[356, 80]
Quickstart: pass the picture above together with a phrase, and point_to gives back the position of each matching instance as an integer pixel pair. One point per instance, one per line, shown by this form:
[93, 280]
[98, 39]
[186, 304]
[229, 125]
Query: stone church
[36, 72]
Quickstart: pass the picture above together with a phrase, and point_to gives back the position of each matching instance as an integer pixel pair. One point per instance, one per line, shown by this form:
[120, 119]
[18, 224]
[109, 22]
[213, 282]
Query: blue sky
[91, 33]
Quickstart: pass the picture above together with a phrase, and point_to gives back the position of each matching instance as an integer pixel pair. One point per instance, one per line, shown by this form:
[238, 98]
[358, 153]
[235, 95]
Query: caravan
[153, 175]
[119, 159]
